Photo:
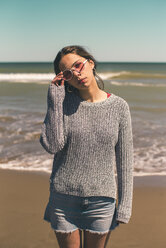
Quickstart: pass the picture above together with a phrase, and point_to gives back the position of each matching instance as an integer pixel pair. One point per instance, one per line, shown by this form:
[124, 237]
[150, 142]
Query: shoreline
[24, 196]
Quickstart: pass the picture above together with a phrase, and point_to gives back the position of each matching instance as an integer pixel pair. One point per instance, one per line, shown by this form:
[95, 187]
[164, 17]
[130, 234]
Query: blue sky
[113, 30]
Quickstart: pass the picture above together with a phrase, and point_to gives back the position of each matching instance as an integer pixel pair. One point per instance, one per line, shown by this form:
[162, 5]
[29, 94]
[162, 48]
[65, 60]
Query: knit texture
[90, 142]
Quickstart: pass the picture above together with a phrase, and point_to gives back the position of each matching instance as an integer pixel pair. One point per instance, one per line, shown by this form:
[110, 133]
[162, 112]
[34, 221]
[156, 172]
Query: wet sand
[24, 196]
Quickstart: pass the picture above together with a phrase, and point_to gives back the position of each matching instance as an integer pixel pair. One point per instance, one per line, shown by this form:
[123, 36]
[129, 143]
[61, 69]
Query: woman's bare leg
[107, 238]
[95, 240]
[69, 240]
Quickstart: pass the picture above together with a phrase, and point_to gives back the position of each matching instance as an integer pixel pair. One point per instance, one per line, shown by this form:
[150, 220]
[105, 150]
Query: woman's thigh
[69, 240]
[74, 239]
[95, 240]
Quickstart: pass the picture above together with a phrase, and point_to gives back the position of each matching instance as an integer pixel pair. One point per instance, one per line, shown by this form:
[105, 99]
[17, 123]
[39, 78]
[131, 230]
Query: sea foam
[26, 77]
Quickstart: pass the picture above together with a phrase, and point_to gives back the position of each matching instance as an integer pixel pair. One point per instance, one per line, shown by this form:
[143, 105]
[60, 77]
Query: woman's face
[80, 80]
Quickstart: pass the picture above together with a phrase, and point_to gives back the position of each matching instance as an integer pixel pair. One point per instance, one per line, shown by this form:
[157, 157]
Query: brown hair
[81, 51]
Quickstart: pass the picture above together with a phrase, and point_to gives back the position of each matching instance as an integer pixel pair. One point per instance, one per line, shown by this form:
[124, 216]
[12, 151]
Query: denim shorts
[67, 213]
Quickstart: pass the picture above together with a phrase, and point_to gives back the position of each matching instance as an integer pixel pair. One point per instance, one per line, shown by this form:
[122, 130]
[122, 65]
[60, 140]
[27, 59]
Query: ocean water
[23, 92]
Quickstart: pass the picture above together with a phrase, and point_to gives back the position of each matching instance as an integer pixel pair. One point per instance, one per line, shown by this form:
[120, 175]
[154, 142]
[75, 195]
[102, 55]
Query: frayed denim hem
[62, 231]
[87, 230]
[91, 231]
[97, 232]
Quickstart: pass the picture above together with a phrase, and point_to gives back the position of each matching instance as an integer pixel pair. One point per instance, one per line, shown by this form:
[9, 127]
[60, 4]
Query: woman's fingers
[58, 79]
[62, 82]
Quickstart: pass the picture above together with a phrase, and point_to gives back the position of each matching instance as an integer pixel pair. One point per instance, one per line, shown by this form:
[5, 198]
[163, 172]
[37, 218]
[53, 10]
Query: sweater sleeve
[124, 165]
[52, 135]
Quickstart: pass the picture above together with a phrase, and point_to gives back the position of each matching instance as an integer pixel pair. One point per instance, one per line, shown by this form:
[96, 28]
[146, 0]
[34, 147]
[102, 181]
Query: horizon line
[96, 61]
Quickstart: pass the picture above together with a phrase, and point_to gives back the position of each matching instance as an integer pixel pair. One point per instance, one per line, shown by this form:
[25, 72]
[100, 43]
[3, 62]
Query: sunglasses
[78, 67]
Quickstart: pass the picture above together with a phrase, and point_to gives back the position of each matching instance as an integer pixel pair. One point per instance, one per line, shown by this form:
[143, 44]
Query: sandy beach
[24, 196]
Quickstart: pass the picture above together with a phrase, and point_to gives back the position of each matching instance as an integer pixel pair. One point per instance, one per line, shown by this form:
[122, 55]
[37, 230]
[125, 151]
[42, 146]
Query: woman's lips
[83, 80]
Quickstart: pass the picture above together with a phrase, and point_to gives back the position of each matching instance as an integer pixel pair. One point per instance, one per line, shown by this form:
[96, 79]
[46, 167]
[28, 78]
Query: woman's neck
[93, 94]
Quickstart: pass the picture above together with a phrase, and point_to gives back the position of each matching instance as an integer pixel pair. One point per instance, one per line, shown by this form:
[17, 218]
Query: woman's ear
[91, 63]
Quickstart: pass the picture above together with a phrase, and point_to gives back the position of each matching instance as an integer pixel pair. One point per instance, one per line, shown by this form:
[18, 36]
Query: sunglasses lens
[67, 75]
[78, 66]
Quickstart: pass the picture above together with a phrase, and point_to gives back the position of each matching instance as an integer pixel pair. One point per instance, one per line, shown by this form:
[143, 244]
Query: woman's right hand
[58, 79]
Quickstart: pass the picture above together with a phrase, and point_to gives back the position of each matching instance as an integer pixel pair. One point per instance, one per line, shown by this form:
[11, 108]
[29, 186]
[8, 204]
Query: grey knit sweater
[89, 141]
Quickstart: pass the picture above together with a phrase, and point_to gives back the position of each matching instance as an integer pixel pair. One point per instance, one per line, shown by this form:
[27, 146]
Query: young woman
[89, 132]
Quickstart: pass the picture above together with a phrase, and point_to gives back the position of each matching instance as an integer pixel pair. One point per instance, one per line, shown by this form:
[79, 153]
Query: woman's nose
[77, 73]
